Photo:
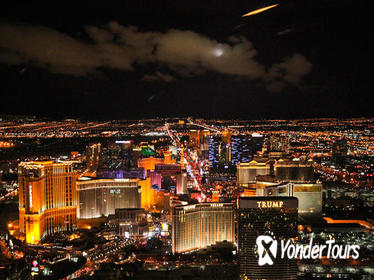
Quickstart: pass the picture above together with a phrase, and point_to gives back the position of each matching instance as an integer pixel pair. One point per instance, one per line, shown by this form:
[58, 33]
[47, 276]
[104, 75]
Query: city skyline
[186, 197]
[180, 140]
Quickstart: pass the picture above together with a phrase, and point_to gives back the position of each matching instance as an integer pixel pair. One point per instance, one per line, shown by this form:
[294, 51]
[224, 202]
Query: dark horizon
[134, 59]
[80, 118]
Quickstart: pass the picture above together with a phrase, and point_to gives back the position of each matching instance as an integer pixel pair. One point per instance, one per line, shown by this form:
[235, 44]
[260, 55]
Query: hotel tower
[272, 216]
[198, 226]
[47, 198]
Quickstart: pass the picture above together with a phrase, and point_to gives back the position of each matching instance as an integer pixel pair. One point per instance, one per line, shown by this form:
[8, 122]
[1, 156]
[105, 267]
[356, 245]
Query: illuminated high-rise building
[147, 193]
[168, 169]
[294, 170]
[226, 137]
[130, 222]
[149, 163]
[247, 171]
[200, 225]
[272, 216]
[214, 144]
[162, 200]
[47, 198]
[132, 173]
[168, 177]
[182, 159]
[215, 196]
[241, 150]
[257, 143]
[309, 196]
[219, 152]
[101, 197]
[181, 187]
[204, 145]
[168, 157]
[199, 139]
[156, 179]
[293, 178]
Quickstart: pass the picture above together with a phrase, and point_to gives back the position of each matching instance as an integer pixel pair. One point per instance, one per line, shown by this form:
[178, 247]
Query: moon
[218, 52]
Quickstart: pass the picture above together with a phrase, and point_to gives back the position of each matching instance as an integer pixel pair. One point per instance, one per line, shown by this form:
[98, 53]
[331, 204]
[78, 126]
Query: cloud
[158, 76]
[185, 53]
[291, 70]
[197, 53]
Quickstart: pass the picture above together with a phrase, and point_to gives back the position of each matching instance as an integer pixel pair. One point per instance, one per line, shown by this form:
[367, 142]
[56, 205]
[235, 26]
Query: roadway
[192, 167]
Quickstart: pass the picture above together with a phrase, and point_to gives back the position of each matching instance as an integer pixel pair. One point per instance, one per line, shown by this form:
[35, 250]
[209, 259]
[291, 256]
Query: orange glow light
[255, 12]
[360, 222]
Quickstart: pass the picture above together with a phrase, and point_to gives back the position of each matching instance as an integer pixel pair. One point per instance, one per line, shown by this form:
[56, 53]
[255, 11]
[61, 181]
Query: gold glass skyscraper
[265, 216]
[200, 225]
[47, 198]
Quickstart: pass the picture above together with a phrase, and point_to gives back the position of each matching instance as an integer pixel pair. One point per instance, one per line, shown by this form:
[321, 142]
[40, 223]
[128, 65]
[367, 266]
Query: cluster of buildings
[55, 196]
[199, 226]
[279, 192]
[282, 177]
[225, 147]
[189, 194]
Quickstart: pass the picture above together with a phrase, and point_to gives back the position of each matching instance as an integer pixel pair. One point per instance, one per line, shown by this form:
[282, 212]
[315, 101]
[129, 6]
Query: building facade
[241, 149]
[294, 170]
[149, 163]
[129, 222]
[309, 196]
[182, 183]
[248, 171]
[47, 198]
[275, 217]
[200, 225]
[101, 197]
[219, 152]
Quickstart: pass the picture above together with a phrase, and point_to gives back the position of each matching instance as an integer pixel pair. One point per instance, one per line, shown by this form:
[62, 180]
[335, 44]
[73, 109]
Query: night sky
[139, 59]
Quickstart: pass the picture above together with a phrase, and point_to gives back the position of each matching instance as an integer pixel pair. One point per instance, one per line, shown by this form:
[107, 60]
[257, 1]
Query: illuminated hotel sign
[267, 202]
[270, 204]
[217, 205]
[190, 207]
